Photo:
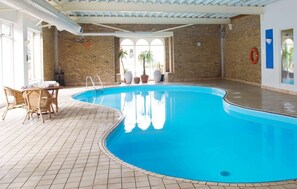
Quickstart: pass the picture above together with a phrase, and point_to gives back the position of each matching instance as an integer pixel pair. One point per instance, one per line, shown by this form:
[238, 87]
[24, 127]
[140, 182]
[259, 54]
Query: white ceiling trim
[111, 27]
[148, 20]
[173, 28]
[131, 34]
[162, 8]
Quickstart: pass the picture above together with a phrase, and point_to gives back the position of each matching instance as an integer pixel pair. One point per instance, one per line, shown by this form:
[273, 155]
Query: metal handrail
[97, 76]
[89, 77]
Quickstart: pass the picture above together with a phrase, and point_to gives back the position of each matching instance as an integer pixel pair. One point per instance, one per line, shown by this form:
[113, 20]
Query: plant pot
[128, 77]
[136, 80]
[157, 76]
[144, 78]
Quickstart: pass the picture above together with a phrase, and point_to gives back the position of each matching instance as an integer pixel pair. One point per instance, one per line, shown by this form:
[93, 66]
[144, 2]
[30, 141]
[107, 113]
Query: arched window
[158, 50]
[136, 46]
[157, 42]
[127, 42]
[142, 42]
[141, 46]
[127, 63]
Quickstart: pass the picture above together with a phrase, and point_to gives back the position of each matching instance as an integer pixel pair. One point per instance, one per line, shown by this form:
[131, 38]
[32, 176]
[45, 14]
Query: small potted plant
[136, 80]
[145, 56]
[127, 74]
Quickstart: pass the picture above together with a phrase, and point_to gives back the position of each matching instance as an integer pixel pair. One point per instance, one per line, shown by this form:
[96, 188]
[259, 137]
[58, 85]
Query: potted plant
[127, 74]
[145, 56]
[136, 80]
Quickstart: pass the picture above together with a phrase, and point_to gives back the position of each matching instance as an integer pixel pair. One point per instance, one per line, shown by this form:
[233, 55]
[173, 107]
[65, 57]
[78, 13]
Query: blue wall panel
[269, 49]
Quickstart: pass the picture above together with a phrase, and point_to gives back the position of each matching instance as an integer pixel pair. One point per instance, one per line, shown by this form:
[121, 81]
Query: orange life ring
[254, 55]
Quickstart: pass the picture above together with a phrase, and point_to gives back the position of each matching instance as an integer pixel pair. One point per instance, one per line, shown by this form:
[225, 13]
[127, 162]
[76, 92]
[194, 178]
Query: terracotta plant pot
[144, 78]
[136, 80]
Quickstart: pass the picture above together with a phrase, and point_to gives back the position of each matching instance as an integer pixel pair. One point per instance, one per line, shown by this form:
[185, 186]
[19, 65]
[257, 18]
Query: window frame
[280, 58]
[11, 38]
[35, 75]
[134, 47]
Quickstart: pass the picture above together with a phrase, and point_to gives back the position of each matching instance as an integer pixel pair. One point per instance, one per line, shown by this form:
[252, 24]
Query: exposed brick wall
[79, 60]
[244, 35]
[192, 62]
[48, 53]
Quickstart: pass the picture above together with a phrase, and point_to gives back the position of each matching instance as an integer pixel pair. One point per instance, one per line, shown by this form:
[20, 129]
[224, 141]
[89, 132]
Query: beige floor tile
[290, 186]
[72, 185]
[199, 186]
[56, 186]
[184, 185]
[277, 187]
[114, 186]
[172, 186]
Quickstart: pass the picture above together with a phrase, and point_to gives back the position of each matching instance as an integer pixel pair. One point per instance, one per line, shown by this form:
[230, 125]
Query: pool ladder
[93, 81]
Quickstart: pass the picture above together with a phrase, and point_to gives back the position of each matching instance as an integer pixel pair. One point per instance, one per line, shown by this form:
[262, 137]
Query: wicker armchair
[14, 99]
[37, 101]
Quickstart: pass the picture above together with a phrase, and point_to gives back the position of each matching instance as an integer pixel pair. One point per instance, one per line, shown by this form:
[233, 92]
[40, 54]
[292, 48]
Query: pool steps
[93, 81]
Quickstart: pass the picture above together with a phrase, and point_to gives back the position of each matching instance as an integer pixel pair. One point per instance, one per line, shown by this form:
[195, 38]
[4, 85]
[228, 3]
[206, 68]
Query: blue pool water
[191, 132]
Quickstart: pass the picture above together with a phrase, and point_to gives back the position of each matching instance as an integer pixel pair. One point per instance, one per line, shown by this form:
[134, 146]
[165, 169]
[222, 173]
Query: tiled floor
[64, 153]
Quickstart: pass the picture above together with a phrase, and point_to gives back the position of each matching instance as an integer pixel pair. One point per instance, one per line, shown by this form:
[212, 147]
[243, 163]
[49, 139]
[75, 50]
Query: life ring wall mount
[254, 55]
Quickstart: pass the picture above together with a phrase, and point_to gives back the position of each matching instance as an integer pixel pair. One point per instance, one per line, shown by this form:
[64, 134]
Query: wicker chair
[37, 101]
[14, 99]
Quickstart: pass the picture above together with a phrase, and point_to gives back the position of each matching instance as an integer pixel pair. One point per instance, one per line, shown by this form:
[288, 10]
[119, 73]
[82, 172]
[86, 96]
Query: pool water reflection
[144, 110]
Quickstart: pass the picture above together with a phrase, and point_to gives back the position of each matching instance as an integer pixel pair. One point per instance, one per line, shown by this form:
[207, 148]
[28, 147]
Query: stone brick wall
[191, 62]
[48, 53]
[245, 34]
[83, 56]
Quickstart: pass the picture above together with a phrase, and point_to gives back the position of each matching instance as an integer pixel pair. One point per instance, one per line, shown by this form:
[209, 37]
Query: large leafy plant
[145, 56]
[121, 55]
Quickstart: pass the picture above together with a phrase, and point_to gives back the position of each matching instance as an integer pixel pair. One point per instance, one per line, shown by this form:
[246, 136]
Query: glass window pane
[128, 61]
[138, 65]
[29, 55]
[142, 42]
[6, 30]
[1, 73]
[287, 55]
[126, 42]
[159, 58]
[132, 62]
[157, 42]
[6, 58]
[7, 61]
[34, 60]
